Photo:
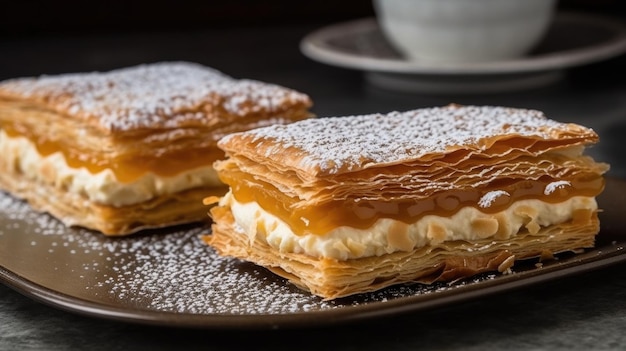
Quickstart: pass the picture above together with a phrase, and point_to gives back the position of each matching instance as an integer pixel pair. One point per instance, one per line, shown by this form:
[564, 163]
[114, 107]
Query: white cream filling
[346, 242]
[103, 187]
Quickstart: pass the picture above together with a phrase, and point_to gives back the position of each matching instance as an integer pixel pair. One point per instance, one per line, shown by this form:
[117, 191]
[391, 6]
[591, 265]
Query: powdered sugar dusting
[550, 188]
[165, 94]
[336, 144]
[490, 197]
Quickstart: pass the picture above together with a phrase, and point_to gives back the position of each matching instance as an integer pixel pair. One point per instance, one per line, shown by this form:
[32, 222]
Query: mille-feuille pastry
[132, 148]
[346, 205]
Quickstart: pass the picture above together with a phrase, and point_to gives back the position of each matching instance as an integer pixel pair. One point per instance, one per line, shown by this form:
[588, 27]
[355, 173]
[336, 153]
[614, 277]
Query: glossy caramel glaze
[125, 167]
[356, 213]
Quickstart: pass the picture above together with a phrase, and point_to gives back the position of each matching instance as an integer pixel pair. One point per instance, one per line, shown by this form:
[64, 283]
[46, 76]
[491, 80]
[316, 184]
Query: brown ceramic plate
[171, 278]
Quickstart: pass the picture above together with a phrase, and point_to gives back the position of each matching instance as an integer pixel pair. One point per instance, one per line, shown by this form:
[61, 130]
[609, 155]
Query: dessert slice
[132, 148]
[345, 205]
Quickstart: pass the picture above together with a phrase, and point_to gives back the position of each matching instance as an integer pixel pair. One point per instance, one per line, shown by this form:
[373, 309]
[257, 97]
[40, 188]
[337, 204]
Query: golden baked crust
[517, 182]
[445, 261]
[335, 145]
[161, 119]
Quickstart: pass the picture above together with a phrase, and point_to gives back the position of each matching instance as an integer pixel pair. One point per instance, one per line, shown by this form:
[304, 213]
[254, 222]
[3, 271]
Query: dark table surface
[584, 311]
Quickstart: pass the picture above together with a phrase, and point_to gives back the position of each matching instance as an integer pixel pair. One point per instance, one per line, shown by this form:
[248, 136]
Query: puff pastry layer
[132, 148]
[346, 205]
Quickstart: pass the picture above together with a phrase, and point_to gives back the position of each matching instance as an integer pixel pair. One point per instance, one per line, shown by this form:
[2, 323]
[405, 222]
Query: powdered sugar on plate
[163, 271]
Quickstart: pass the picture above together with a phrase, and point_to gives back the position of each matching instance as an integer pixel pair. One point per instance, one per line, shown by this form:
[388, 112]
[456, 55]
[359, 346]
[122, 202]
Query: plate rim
[318, 318]
[574, 265]
[315, 46]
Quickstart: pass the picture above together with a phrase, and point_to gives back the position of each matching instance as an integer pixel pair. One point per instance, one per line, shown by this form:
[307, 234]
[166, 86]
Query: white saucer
[573, 40]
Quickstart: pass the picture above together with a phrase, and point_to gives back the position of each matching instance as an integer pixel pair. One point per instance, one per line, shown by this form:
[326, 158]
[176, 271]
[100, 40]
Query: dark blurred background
[28, 17]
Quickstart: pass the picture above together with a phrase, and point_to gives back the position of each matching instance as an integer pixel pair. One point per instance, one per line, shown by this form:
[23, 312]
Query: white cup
[464, 30]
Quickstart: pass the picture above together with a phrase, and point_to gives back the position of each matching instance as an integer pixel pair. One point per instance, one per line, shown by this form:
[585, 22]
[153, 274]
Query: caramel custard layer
[126, 169]
[23, 158]
[387, 235]
[356, 213]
